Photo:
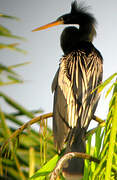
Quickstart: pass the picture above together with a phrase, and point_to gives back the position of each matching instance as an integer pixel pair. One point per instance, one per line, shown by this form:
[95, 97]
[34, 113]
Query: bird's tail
[76, 143]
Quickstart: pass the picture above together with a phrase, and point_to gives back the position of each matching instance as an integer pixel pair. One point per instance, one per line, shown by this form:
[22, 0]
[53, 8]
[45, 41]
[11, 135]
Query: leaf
[109, 90]
[18, 65]
[21, 174]
[7, 33]
[112, 139]
[86, 162]
[14, 79]
[11, 76]
[108, 154]
[8, 83]
[12, 47]
[7, 69]
[98, 140]
[19, 50]
[105, 83]
[17, 106]
[46, 169]
[31, 161]
[5, 130]
[9, 17]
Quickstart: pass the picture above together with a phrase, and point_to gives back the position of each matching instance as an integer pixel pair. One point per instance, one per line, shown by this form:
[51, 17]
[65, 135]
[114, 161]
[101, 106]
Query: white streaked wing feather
[67, 76]
[66, 87]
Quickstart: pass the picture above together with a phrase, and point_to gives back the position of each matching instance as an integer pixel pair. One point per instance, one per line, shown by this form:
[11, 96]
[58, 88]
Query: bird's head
[78, 16]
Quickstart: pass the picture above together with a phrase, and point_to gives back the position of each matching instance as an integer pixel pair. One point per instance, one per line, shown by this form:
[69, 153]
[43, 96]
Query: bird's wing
[55, 81]
[78, 76]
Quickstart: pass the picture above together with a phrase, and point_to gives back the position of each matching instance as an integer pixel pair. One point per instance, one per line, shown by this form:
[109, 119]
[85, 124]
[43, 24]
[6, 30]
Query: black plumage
[80, 71]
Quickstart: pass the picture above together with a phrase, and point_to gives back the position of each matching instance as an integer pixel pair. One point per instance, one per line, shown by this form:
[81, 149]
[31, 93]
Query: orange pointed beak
[55, 23]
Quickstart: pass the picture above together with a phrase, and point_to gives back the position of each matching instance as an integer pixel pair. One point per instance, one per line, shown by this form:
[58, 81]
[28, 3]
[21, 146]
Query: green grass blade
[105, 83]
[7, 69]
[31, 161]
[5, 129]
[9, 83]
[112, 138]
[17, 106]
[14, 79]
[7, 33]
[109, 90]
[12, 47]
[19, 65]
[46, 169]
[8, 17]
[86, 162]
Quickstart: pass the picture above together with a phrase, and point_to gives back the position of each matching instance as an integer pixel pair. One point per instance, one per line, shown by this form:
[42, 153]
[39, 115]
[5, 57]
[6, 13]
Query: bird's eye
[61, 19]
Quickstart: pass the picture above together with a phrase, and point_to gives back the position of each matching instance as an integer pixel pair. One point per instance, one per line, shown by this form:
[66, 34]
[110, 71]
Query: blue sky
[44, 47]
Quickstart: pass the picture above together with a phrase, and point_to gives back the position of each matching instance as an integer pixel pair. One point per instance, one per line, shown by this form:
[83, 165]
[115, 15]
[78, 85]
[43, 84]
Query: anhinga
[79, 73]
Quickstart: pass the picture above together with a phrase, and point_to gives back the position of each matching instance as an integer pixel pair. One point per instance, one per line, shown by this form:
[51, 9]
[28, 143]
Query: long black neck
[87, 32]
[69, 39]
[72, 38]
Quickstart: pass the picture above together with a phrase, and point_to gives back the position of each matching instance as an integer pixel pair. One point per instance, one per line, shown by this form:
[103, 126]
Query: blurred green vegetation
[26, 153]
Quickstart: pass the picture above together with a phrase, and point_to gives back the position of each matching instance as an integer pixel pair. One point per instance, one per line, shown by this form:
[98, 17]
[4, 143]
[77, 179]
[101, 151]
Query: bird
[80, 72]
